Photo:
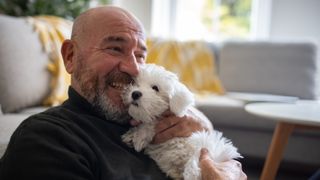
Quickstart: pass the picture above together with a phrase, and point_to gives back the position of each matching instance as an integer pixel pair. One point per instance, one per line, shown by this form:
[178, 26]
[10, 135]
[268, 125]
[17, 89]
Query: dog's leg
[139, 137]
[128, 137]
[192, 170]
[143, 136]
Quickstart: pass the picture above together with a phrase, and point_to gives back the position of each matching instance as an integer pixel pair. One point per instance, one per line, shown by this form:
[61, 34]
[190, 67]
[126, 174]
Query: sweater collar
[80, 104]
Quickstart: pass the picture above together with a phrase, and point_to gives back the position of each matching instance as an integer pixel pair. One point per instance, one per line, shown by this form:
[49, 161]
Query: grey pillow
[24, 78]
[281, 68]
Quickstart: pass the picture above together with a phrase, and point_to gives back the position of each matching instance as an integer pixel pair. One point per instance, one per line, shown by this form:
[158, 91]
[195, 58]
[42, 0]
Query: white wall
[298, 19]
[140, 8]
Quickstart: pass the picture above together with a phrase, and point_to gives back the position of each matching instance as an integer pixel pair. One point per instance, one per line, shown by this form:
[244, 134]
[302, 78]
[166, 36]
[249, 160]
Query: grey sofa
[279, 68]
[276, 68]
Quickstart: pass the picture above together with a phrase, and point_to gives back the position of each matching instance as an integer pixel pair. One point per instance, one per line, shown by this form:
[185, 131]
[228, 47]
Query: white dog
[156, 90]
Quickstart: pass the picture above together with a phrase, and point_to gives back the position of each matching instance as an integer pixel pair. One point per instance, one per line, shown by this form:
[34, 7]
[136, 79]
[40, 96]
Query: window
[210, 19]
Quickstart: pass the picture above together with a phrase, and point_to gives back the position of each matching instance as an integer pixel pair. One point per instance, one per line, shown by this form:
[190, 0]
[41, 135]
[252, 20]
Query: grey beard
[110, 111]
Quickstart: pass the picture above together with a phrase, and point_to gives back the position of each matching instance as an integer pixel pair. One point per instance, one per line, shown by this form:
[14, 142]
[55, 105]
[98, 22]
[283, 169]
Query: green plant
[64, 8]
[230, 18]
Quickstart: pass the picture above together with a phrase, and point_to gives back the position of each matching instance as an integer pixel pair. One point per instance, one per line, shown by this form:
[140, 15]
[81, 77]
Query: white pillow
[24, 78]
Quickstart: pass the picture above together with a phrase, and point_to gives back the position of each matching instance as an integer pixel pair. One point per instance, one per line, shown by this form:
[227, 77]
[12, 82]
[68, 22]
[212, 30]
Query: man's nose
[130, 65]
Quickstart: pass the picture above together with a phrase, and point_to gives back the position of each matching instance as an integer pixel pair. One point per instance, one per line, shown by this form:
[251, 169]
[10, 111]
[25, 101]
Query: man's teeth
[118, 85]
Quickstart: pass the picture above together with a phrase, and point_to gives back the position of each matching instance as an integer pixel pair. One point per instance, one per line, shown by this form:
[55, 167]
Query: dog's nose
[136, 95]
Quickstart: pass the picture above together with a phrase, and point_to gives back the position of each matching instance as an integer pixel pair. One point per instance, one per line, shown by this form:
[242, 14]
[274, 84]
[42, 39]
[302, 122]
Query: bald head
[104, 17]
[106, 50]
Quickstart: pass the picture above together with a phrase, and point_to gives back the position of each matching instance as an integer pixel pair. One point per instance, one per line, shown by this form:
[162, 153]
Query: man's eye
[118, 49]
[154, 87]
[141, 57]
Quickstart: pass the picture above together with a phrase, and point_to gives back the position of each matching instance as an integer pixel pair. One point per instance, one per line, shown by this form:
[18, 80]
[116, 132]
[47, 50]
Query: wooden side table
[303, 114]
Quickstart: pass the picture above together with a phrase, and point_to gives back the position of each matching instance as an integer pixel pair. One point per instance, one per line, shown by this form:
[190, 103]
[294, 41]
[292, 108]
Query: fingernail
[203, 154]
[204, 151]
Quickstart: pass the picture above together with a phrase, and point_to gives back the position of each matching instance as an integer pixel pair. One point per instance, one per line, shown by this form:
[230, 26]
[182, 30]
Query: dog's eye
[154, 87]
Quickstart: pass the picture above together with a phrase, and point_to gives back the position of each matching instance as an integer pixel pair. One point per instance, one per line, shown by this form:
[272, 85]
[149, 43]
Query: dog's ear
[181, 99]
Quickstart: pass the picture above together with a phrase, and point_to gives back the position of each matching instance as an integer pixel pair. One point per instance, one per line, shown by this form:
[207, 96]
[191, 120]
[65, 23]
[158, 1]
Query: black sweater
[73, 141]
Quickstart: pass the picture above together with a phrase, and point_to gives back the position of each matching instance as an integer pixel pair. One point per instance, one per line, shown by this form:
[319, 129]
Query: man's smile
[118, 85]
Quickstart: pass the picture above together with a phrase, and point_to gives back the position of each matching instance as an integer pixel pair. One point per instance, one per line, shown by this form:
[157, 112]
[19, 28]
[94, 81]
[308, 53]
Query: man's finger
[164, 136]
[204, 154]
[167, 113]
[208, 170]
[174, 128]
[166, 123]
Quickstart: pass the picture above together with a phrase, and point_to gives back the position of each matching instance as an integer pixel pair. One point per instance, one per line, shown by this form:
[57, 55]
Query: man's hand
[229, 170]
[172, 126]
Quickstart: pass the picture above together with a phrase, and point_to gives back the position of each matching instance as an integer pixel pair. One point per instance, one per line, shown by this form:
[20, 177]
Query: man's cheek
[115, 97]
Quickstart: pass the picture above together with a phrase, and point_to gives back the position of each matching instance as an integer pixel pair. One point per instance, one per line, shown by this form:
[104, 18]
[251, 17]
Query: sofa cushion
[283, 68]
[33, 110]
[225, 111]
[24, 79]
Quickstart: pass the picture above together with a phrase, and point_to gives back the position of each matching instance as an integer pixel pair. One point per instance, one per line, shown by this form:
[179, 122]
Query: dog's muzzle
[136, 95]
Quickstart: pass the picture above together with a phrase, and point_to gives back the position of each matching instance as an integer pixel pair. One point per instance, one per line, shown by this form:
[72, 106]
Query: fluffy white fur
[155, 91]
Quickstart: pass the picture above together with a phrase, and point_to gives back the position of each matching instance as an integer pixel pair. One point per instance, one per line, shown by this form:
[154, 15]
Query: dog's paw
[143, 138]
[139, 137]
[132, 140]
[139, 145]
[127, 138]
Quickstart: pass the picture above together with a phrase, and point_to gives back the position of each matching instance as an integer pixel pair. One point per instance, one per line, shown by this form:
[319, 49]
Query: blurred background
[211, 20]
[23, 60]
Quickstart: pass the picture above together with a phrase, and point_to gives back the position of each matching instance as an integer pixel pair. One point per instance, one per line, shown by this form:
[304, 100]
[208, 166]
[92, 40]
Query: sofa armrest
[8, 124]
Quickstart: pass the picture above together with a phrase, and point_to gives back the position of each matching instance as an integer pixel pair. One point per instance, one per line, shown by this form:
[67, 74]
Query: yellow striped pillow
[193, 61]
[52, 32]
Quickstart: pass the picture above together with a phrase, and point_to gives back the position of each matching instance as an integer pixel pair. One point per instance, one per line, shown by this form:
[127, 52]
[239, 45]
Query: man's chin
[113, 111]
[121, 118]
[115, 98]
[114, 94]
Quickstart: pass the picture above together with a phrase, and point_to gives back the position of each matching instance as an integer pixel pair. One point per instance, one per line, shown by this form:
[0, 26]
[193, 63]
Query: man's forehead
[122, 38]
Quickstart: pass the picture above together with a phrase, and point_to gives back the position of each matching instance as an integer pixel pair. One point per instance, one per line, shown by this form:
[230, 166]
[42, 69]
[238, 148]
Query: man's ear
[67, 52]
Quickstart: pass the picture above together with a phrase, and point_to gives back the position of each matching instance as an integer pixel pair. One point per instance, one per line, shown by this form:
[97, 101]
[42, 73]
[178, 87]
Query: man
[81, 139]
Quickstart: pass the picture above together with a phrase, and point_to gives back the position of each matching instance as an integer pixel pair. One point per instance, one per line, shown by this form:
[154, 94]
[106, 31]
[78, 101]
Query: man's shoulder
[53, 117]
[52, 125]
